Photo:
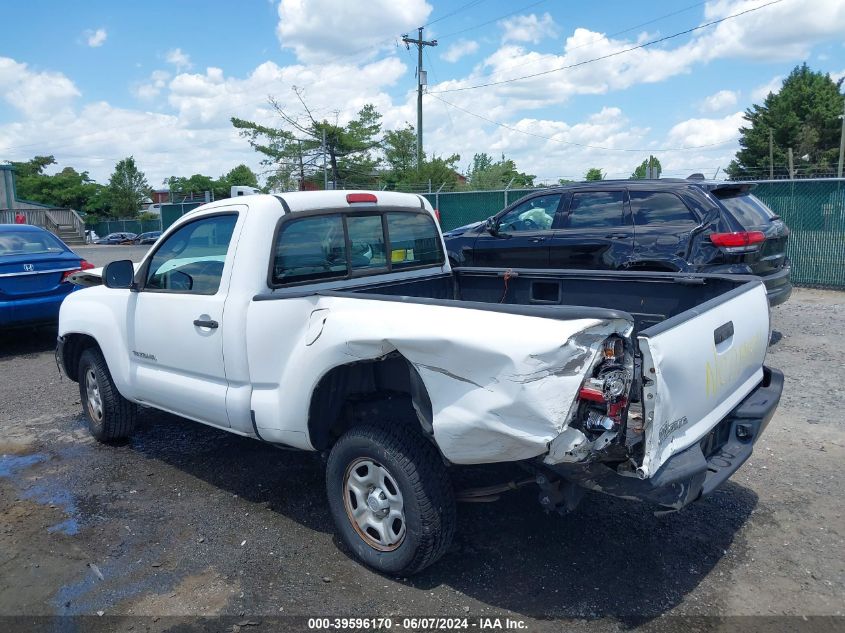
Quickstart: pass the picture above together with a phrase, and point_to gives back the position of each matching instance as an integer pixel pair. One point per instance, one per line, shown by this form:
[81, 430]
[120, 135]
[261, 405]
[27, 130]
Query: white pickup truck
[332, 322]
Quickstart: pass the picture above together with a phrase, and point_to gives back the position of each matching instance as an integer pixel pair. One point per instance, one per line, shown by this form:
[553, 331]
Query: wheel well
[75, 345]
[387, 388]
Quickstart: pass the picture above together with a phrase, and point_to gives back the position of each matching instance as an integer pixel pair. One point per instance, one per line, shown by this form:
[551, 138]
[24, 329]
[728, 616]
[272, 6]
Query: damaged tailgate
[697, 366]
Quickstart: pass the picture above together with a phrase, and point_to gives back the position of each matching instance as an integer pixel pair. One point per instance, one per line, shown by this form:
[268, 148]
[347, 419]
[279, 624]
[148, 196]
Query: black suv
[663, 225]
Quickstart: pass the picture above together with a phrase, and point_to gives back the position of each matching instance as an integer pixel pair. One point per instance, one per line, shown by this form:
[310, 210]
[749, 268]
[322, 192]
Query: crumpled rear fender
[501, 385]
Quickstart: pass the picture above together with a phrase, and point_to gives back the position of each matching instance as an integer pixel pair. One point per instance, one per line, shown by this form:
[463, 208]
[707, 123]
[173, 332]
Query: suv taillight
[739, 241]
[83, 265]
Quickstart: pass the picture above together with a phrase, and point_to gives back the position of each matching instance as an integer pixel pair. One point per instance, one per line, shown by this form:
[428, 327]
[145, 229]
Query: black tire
[114, 419]
[424, 486]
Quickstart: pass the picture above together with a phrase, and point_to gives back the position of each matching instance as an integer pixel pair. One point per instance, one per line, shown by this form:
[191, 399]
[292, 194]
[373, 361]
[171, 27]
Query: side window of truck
[596, 209]
[310, 249]
[414, 240]
[660, 207]
[190, 261]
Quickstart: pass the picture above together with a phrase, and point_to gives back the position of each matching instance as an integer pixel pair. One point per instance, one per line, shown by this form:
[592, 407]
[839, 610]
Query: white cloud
[320, 31]
[34, 93]
[762, 91]
[698, 132]
[719, 101]
[153, 86]
[528, 28]
[181, 60]
[836, 76]
[460, 49]
[95, 38]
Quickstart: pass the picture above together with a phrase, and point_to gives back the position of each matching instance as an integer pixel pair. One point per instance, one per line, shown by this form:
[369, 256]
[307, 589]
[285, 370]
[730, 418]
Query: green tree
[68, 188]
[484, 173]
[642, 169]
[241, 176]
[403, 173]
[594, 173]
[128, 188]
[196, 186]
[803, 115]
[294, 150]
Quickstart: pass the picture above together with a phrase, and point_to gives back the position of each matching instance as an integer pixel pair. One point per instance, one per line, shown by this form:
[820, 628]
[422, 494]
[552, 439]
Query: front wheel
[110, 416]
[391, 498]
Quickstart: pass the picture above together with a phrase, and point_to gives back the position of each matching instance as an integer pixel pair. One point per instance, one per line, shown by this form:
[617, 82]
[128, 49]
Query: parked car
[147, 238]
[34, 270]
[117, 238]
[672, 225]
[331, 321]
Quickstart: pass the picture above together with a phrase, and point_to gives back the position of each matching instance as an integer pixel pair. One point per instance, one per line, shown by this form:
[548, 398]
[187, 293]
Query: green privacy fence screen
[814, 210]
[126, 226]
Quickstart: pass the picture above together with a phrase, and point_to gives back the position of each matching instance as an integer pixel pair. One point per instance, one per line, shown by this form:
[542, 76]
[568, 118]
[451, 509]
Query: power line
[468, 5]
[501, 17]
[609, 55]
[584, 145]
[600, 39]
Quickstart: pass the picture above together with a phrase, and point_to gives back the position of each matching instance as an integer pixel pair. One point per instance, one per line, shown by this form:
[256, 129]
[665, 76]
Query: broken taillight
[604, 393]
[83, 265]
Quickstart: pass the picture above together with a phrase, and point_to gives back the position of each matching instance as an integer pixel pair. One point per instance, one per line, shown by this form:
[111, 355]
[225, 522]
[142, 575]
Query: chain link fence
[814, 210]
[125, 226]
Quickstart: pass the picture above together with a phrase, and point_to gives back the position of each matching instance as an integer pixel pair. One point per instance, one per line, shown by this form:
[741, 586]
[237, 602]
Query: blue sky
[160, 80]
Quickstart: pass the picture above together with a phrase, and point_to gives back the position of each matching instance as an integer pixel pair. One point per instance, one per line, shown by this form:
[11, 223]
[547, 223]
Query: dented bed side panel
[699, 368]
[501, 385]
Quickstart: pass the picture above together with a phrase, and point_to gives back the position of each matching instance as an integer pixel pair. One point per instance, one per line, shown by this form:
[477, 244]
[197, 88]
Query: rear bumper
[35, 311]
[691, 474]
[779, 285]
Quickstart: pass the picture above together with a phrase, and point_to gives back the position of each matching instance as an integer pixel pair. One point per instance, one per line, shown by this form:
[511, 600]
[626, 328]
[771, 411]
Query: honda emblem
[28, 267]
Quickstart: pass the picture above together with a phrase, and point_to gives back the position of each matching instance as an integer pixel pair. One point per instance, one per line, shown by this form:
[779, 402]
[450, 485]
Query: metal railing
[54, 220]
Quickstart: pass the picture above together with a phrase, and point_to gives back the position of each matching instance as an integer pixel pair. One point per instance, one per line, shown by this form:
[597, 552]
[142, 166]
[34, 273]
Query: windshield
[28, 243]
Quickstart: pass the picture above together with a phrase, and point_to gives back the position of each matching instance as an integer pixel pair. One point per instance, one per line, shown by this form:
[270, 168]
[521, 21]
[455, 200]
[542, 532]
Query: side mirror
[491, 226]
[119, 274]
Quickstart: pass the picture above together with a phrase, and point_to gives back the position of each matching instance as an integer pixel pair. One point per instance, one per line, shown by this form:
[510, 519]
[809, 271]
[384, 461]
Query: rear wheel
[390, 498]
[110, 416]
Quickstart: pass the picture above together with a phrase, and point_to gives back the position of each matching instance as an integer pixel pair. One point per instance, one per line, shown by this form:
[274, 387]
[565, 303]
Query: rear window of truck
[336, 246]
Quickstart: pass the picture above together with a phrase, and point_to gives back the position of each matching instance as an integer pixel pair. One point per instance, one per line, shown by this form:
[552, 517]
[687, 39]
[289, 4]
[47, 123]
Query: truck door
[596, 232]
[175, 322]
[521, 239]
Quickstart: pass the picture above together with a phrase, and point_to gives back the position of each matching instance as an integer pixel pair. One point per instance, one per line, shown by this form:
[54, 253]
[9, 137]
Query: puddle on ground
[11, 464]
[44, 492]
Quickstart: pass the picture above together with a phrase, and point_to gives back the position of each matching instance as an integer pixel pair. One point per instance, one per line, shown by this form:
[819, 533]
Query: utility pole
[325, 173]
[771, 155]
[421, 82]
[791, 168]
[841, 146]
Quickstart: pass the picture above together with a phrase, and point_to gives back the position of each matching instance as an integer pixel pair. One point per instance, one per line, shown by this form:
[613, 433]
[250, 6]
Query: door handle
[208, 324]
[537, 240]
[616, 236]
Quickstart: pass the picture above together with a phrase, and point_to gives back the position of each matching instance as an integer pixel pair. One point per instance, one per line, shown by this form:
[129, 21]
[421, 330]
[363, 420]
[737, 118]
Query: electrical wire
[609, 55]
[584, 145]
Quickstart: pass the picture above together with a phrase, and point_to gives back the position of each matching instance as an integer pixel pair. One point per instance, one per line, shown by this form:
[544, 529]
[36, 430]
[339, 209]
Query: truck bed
[651, 298]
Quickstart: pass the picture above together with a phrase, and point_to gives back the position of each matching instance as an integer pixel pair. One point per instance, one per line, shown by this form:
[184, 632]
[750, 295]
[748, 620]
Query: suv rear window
[748, 210]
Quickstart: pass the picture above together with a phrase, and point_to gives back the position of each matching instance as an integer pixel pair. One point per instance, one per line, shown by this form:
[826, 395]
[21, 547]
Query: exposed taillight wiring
[83, 265]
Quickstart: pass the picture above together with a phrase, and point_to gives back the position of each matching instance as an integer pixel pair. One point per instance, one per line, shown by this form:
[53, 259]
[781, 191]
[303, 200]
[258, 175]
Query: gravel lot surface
[187, 520]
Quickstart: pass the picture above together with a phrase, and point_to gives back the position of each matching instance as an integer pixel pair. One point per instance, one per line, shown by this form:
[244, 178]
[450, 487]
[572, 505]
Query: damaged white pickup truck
[332, 322]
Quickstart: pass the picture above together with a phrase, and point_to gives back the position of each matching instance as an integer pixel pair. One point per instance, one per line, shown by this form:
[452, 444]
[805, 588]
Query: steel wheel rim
[374, 504]
[92, 391]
